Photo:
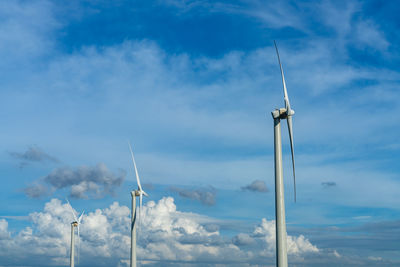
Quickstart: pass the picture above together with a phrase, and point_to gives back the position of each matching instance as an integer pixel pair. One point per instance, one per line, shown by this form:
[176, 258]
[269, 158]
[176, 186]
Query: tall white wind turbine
[76, 223]
[278, 115]
[135, 193]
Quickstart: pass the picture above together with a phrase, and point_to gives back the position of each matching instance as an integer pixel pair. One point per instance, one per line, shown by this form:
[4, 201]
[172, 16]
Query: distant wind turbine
[76, 223]
[278, 114]
[135, 193]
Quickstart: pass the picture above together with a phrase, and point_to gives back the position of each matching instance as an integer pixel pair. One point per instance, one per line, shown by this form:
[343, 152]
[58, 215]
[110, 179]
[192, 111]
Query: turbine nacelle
[138, 192]
[282, 113]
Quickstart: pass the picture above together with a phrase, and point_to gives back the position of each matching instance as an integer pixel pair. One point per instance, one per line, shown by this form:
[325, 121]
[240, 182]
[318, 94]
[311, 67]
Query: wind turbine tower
[278, 115]
[72, 251]
[135, 193]
[76, 223]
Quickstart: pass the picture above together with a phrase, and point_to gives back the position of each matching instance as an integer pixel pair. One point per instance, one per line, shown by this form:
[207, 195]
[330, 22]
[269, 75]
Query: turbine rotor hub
[135, 193]
[281, 113]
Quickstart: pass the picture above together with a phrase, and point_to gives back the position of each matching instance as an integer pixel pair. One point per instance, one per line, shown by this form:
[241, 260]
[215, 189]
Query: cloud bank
[167, 236]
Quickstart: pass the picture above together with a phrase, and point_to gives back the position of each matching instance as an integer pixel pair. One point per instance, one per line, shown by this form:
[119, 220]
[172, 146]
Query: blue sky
[191, 84]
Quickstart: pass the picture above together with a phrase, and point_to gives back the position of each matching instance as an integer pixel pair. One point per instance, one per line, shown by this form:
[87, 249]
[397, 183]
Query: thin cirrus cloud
[82, 182]
[138, 62]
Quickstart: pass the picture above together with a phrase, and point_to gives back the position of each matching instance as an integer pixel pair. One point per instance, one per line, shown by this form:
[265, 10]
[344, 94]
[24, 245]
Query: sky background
[191, 85]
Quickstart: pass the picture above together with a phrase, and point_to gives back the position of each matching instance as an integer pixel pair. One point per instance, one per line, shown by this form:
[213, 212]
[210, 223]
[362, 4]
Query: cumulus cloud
[242, 240]
[83, 182]
[256, 186]
[205, 195]
[295, 245]
[4, 234]
[166, 236]
[33, 154]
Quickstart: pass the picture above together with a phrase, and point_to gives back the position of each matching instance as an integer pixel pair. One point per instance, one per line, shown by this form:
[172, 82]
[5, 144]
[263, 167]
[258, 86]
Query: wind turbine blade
[144, 193]
[285, 95]
[134, 165]
[80, 218]
[290, 128]
[72, 210]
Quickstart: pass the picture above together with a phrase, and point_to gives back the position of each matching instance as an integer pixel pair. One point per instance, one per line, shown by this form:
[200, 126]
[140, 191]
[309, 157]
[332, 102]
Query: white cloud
[223, 100]
[243, 240]
[368, 34]
[139, 82]
[375, 258]
[4, 234]
[295, 245]
[165, 234]
[269, 13]
[24, 30]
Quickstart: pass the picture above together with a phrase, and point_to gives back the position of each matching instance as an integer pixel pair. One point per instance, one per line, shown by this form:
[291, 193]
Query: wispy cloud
[17, 217]
[328, 184]
[33, 154]
[206, 196]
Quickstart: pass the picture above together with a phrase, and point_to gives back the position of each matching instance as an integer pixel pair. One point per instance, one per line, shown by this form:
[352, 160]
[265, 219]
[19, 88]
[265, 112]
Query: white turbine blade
[290, 128]
[144, 193]
[134, 165]
[80, 218]
[285, 95]
[72, 210]
[141, 193]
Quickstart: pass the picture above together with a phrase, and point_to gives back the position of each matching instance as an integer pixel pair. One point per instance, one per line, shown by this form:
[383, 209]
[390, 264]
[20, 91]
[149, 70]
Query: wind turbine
[278, 115]
[76, 223]
[135, 193]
